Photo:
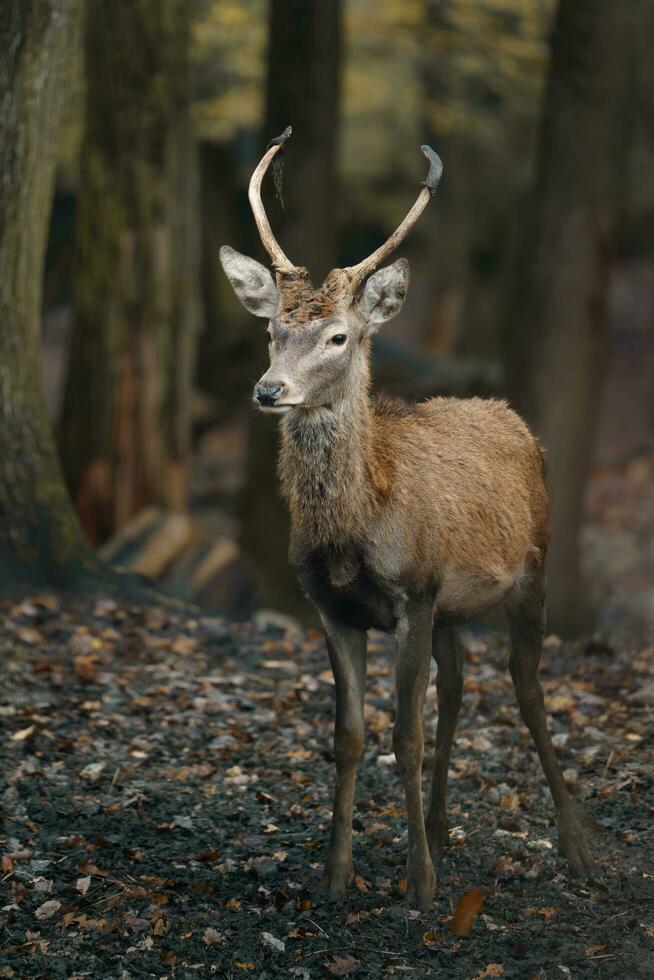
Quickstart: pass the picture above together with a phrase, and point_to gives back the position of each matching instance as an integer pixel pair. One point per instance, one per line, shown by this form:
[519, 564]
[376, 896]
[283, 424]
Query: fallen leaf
[510, 800]
[7, 864]
[340, 966]
[361, 883]
[82, 885]
[211, 936]
[432, 938]
[23, 734]
[233, 903]
[89, 868]
[47, 910]
[273, 942]
[160, 928]
[29, 635]
[93, 771]
[492, 970]
[468, 907]
[594, 950]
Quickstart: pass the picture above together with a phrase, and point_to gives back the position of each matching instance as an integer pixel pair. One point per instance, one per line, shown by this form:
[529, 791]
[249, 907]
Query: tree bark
[303, 90]
[126, 421]
[558, 338]
[41, 543]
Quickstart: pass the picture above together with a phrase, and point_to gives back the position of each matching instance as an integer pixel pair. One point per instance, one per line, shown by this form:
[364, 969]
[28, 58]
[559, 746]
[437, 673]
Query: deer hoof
[420, 893]
[336, 879]
[573, 847]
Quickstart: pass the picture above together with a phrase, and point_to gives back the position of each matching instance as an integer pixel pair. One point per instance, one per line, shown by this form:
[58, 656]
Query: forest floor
[166, 786]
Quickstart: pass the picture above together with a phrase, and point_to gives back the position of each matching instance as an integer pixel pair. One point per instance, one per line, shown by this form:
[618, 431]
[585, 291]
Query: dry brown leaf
[84, 665]
[432, 938]
[361, 883]
[510, 801]
[492, 970]
[340, 966]
[23, 734]
[468, 907]
[594, 950]
[211, 936]
[7, 864]
[30, 636]
[82, 885]
[159, 928]
[48, 909]
[89, 868]
[233, 903]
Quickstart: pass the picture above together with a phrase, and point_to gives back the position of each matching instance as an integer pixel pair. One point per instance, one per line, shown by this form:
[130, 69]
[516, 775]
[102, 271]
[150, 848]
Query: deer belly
[464, 594]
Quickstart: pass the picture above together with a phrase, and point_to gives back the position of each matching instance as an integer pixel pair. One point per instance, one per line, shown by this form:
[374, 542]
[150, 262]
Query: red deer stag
[411, 519]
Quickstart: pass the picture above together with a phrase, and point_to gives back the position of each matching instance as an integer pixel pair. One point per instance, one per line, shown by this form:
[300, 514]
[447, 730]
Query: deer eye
[338, 339]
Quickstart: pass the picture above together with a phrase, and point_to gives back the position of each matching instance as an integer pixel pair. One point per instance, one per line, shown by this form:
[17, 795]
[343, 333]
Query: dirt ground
[166, 791]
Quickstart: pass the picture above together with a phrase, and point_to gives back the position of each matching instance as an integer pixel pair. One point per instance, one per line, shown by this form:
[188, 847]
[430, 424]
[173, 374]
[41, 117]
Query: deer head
[319, 337]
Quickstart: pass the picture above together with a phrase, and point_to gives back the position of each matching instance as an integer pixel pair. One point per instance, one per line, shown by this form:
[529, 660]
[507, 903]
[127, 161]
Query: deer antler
[270, 243]
[358, 272]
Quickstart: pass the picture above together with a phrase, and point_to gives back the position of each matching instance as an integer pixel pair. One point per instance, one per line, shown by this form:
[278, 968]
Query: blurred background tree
[303, 84]
[532, 272]
[40, 540]
[125, 429]
[559, 337]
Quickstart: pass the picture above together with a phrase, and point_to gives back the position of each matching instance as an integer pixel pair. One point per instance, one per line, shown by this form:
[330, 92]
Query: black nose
[266, 394]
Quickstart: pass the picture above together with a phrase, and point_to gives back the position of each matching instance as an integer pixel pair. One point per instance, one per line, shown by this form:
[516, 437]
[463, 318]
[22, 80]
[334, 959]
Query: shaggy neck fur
[325, 464]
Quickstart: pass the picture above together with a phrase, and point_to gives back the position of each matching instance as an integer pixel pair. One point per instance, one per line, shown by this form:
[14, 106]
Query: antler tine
[358, 272]
[270, 243]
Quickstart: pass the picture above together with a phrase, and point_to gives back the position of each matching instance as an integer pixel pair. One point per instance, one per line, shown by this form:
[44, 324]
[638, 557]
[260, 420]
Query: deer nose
[266, 394]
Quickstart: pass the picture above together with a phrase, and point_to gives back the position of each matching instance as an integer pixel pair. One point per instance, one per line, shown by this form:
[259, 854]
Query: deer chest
[341, 586]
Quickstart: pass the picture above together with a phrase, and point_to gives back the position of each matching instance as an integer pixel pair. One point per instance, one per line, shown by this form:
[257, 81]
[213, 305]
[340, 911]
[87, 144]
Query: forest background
[128, 135]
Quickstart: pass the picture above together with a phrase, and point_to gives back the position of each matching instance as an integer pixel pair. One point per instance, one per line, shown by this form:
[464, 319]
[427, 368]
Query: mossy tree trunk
[303, 90]
[558, 339]
[41, 543]
[126, 422]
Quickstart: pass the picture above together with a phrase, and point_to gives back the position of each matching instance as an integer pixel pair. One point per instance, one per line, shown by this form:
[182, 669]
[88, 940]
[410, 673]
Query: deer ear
[384, 294]
[251, 282]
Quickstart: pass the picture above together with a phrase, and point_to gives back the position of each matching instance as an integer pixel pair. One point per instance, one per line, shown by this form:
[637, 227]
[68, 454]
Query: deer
[412, 519]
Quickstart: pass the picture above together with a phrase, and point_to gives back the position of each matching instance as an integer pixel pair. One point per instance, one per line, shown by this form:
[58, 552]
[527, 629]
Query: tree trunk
[558, 338]
[126, 422]
[41, 543]
[304, 62]
[303, 90]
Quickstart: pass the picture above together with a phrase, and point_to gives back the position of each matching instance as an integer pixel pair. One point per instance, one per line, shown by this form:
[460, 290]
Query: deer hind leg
[412, 677]
[347, 655]
[525, 609]
[448, 654]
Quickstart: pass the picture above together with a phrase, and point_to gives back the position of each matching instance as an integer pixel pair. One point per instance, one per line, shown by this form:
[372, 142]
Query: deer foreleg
[347, 655]
[412, 677]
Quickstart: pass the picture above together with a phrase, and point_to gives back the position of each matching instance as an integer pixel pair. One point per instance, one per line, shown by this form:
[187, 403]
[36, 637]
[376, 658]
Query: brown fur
[437, 496]
[302, 304]
[406, 518]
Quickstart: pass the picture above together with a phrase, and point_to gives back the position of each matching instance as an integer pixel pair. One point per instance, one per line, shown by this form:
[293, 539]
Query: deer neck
[324, 461]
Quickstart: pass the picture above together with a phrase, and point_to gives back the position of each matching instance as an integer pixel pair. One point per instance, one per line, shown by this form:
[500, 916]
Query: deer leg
[448, 654]
[525, 608]
[347, 655]
[412, 677]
